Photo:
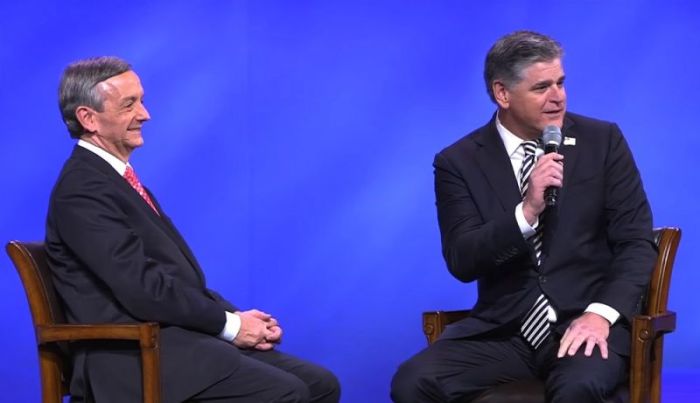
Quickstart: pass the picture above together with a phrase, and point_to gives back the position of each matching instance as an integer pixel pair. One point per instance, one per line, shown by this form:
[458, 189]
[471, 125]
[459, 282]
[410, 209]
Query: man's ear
[501, 93]
[86, 117]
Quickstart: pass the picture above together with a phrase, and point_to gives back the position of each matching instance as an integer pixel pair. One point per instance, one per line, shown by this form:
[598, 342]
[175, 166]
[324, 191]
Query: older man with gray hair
[116, 257]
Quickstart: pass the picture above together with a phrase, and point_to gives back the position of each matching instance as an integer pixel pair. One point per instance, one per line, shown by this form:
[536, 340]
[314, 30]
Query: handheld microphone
[551, 137]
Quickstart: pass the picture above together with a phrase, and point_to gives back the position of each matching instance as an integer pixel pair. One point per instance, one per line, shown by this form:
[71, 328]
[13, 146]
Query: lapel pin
[569, 141]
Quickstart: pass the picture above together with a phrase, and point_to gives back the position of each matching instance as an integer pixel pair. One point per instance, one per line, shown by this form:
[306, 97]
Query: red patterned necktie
[133, 180]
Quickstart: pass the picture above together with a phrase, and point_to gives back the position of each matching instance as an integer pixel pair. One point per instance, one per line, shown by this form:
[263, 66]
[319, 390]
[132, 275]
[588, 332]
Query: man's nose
[557, 94]
[143, 114]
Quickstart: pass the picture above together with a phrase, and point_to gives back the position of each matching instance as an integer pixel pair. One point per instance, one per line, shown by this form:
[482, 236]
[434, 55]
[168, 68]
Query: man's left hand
[589, 328]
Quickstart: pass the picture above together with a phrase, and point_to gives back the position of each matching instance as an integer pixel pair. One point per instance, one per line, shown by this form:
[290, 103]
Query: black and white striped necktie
[535, 326]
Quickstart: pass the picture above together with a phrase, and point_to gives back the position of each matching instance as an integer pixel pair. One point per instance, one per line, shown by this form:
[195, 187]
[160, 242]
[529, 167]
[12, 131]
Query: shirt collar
[115, 162]
[510, 140]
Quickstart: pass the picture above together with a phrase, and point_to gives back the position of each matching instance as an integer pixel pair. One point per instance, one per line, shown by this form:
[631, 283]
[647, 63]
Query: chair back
[656, 301]
[32, 266]
[645, 380]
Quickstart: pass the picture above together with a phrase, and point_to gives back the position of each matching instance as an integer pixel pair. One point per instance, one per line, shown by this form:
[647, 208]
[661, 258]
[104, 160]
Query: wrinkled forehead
[542, 70]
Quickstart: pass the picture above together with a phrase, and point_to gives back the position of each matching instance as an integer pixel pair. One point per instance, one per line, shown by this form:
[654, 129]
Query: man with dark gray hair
[116, 257]
[559, 243]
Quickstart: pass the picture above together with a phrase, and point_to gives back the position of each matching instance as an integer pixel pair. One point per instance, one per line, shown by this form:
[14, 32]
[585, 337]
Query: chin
[558, 121]
[136, 143]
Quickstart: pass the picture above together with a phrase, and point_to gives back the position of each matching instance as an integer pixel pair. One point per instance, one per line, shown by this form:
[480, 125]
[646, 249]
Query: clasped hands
[259, 330]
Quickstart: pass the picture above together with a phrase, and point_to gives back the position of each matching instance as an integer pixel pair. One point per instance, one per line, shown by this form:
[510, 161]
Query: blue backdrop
[292, 142]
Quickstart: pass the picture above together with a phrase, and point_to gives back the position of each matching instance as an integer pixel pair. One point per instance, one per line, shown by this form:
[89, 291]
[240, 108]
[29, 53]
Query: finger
[553, 157]
[268, 334]
[564, 347]
[603, 345]
[264, 346]
[557, 183]
[550, 158]
[272, 322]
[554, 169]
[564, 343]
[590, 343]
[575, 345]
[260, 314]
[276, 334]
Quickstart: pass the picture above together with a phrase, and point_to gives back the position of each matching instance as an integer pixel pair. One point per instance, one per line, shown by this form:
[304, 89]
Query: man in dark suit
[557, 286]
[117, 258]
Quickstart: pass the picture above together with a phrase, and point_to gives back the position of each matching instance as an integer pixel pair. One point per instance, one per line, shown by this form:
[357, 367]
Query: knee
[585, 379]
[410, 383]
[326, 387]
[575, 389]
[295, 391]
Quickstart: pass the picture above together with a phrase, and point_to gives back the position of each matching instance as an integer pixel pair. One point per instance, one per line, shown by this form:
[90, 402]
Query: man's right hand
[254, 328]
[549, 171]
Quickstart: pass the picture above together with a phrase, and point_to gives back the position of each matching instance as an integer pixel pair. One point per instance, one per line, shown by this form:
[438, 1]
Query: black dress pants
[273, 376]
[460, 370]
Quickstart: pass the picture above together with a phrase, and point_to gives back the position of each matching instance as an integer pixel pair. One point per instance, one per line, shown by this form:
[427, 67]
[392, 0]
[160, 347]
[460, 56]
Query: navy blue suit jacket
[598, 244]
[114, 260]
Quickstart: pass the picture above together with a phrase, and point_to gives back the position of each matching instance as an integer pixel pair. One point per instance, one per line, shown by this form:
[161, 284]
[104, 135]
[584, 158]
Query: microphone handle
[551, 194]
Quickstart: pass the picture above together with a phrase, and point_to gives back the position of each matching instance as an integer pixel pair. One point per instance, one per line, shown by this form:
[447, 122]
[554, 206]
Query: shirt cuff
[525, 228]
[231, 328]
[605, 311]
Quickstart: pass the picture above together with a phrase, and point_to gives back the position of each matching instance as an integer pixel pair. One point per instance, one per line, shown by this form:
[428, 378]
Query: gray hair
[79, 87]
[511, 54]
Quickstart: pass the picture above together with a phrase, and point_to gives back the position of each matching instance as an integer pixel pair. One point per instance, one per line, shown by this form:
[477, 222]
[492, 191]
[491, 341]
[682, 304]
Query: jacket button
[542, 279]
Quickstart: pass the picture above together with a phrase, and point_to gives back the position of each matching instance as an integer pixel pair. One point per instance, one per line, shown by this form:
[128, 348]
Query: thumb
[259, 314]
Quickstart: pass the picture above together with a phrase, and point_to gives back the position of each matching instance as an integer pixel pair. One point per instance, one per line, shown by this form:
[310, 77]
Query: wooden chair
[648, 329]
[53, 334]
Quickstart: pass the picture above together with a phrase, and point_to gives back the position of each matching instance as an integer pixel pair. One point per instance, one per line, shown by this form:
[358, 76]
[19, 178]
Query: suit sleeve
[629, 230]
[223, 301]
[473, 247]
[97, 230]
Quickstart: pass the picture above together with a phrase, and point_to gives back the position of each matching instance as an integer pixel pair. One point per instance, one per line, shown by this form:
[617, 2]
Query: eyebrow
[127, 100]
[547, 83]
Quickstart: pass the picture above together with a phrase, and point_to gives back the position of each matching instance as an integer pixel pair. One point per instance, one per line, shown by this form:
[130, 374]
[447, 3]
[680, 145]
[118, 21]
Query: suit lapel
[570, 152]
[161, 221]
[495, 164]
[175, 235]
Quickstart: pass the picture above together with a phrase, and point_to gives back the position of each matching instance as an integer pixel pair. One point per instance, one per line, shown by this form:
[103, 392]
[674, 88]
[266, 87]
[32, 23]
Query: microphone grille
[551, 134]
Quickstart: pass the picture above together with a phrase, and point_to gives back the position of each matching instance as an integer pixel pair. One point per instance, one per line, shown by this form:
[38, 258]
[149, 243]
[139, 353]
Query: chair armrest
[647, 350]
[647, 327]
[434, 322]
[146, 333]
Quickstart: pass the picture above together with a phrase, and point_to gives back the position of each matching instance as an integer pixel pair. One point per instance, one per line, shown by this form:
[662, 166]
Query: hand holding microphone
[551, 137]
[546, 178]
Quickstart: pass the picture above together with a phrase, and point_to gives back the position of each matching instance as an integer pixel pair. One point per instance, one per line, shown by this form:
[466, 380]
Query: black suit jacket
[114, 260]
[598, 244]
